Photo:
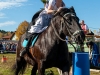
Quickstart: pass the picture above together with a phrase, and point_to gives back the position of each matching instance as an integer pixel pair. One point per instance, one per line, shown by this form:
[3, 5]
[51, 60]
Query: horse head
[69, 25]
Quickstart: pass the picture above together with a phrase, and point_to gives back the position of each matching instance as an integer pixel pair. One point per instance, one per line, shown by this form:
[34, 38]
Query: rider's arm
[50, 7]
[53, 4]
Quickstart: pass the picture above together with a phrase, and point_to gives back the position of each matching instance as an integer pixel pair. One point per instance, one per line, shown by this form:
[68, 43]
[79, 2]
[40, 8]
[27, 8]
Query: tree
[21, 29]
[8, 33]
[1, 35]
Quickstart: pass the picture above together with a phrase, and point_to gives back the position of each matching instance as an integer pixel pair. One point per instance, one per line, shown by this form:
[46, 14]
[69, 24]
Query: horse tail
[19, 66]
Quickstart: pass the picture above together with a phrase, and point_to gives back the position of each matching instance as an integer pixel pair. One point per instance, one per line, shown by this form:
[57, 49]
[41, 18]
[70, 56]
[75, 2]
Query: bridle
[68, 23]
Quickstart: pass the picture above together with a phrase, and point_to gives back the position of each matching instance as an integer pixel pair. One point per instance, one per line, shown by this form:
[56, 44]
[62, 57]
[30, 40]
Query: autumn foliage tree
[21, 29]
[1, 35]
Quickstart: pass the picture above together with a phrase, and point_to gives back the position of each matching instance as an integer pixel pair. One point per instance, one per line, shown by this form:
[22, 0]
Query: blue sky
[13, 12]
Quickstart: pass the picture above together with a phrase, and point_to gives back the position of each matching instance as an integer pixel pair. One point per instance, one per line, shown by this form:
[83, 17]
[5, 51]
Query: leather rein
[73, 35]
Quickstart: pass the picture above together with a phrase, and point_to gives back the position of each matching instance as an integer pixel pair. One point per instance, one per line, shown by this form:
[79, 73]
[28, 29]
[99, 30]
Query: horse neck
[48, 36]
[56, 22]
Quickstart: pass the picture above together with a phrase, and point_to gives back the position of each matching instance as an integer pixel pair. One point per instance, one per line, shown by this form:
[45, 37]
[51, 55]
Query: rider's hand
[54, 12]
[59, 9]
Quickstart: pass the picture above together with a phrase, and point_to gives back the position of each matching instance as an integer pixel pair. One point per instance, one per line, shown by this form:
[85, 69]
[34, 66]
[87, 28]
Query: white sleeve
[87, 27]
[52, 2]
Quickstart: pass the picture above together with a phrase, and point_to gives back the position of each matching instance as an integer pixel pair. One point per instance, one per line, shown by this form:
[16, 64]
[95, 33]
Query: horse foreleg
[34, 70]
[41, 69]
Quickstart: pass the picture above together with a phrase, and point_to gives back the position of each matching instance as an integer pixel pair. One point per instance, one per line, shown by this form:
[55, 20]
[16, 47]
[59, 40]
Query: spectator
[13, 47]
[8, 46]
[4, 45]
[1, 46]
[4, 59]
[94, 53]
[84, 27]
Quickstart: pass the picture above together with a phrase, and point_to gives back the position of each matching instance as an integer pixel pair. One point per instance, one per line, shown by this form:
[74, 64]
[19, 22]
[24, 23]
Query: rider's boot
[24, 51]
[26, 44]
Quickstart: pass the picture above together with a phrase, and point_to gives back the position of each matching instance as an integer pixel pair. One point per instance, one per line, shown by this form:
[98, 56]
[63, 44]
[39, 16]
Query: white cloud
[5, 4]
[2, 15]
[7, 23]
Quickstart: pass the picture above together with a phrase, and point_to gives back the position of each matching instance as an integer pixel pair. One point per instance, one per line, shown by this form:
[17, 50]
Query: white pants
[41, 23]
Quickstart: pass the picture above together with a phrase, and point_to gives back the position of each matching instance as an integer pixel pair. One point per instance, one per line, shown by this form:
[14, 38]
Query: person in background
[84, 27]
[4, 59]
[1, 47]
[94, 53]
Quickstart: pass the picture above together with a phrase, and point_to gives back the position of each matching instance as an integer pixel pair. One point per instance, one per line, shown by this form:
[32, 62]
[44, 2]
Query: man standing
[84, 27]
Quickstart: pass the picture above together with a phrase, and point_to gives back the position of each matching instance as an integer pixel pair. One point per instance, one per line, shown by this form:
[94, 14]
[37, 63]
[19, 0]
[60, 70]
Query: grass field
[5, 68]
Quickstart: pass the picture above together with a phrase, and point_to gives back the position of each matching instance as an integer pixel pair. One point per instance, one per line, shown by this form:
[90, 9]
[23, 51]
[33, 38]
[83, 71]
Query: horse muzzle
[79, 36]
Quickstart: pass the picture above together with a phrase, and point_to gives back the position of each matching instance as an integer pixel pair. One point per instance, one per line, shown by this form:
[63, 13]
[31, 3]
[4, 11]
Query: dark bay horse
[50, 49]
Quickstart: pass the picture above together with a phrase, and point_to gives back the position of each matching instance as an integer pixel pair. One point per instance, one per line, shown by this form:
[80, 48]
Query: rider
[40, 25]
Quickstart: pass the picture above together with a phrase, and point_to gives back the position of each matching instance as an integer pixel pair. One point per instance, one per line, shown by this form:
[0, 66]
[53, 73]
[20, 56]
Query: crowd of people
[8, 46]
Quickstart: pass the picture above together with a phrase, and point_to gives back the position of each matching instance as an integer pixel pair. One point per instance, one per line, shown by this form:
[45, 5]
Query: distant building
[9, 37]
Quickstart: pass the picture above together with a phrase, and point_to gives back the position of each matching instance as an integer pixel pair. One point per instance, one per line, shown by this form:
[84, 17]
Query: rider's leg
[39, 26]
[34, 29]
[27, 43]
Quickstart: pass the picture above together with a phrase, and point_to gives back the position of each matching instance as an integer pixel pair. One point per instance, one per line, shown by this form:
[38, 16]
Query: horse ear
[72, 9]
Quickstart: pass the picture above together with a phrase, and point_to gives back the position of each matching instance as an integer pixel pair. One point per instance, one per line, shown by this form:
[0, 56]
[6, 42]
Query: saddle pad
[34, 40]
[24, 44]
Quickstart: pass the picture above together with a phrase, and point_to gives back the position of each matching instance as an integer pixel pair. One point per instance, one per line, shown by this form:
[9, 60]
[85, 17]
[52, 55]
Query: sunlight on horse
[50, 49]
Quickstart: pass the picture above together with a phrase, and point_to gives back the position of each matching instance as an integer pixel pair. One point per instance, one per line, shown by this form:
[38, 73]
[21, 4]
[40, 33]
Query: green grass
[5, 68]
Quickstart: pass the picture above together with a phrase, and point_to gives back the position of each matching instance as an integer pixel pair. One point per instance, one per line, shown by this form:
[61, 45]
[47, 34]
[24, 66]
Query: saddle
[30, 41]
[33, 39]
